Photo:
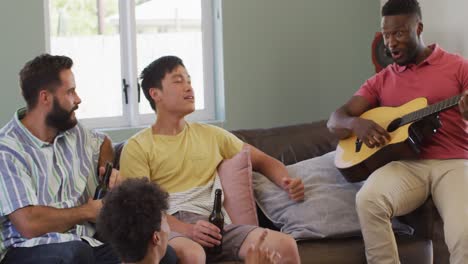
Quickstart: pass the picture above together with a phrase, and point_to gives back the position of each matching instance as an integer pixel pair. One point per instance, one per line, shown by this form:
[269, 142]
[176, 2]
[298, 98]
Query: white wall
[444, 23]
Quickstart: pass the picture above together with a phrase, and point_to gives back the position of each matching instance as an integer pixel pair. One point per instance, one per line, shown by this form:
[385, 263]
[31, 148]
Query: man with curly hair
[133, 221]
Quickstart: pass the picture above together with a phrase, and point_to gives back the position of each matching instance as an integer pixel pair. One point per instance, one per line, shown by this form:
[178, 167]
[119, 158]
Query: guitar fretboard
[430, 110]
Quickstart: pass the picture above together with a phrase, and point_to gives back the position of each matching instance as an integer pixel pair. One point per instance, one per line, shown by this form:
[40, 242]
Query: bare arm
[345, 120]
[277, 173]
[341, 121]
[34, 221]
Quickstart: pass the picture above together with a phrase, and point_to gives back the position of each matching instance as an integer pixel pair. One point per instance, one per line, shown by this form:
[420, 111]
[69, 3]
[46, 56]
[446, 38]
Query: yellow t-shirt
[184, 165]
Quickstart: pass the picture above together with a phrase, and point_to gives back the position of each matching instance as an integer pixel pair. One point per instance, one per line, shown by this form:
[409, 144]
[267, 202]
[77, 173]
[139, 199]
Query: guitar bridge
[358, 145]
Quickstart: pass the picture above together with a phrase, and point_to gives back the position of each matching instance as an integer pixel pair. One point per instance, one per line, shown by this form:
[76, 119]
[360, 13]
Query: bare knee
[288, 249]
[188, 251]
[285, 245]
[279, 242]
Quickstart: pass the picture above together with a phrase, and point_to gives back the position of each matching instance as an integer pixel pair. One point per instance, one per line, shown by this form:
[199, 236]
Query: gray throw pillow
[328, 209]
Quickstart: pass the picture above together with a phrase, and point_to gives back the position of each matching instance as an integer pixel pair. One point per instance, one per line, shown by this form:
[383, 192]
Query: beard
[410, 57]
[60, 118]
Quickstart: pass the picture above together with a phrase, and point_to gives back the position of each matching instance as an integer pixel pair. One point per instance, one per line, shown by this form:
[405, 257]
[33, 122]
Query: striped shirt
[62, 174]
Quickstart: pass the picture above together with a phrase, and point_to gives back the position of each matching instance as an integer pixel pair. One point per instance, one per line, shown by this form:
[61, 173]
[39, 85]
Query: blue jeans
[70, 252]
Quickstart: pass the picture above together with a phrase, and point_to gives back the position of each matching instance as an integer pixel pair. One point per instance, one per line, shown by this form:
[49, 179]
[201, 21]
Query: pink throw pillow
[236, 178]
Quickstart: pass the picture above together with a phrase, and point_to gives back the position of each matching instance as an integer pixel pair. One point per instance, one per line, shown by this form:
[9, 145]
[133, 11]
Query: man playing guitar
[442, 168]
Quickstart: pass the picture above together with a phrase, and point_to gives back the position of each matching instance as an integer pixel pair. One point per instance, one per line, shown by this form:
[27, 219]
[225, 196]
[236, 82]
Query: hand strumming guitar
[369, 132]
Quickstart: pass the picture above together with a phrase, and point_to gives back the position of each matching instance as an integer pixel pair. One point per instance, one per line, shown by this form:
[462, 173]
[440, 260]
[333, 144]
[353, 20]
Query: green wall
[294, 61]
[22, 38]
[285, 62]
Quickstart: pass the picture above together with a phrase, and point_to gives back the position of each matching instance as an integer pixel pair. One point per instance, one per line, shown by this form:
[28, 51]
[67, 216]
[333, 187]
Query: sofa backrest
[291, 144]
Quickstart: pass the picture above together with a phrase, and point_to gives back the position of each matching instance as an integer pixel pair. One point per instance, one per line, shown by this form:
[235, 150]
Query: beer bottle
[103, 185]
[217, 219]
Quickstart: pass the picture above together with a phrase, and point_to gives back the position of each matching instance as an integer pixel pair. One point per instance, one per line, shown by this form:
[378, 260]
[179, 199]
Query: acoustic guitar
[409, 126]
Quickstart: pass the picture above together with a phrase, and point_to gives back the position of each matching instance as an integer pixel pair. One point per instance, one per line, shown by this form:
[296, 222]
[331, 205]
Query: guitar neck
[430, 110]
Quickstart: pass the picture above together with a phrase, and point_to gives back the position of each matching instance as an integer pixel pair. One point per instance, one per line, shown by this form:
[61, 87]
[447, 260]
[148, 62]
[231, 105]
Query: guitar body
[404, 144]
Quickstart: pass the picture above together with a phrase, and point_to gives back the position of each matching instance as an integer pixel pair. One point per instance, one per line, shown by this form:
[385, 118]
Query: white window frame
[213, 78]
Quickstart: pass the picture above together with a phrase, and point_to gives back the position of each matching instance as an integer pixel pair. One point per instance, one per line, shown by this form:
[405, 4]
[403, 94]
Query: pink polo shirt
[441, 76]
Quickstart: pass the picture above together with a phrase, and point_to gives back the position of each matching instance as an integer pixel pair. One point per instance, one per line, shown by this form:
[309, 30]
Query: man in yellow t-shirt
[182, 158]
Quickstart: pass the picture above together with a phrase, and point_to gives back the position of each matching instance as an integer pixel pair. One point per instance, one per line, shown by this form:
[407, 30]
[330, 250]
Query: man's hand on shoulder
[294, 187]
[463, 105]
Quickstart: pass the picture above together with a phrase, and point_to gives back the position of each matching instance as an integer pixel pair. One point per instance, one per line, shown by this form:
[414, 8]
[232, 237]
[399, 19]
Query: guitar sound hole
[394, 125]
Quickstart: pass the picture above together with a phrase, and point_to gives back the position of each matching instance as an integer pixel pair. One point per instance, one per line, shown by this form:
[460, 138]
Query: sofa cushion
[236, 178]
[329, 206]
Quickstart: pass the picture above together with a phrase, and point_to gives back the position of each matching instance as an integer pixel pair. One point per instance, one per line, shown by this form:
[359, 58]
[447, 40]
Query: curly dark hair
[401, 7]
[131, 214]
[42, 73]
[153, 74]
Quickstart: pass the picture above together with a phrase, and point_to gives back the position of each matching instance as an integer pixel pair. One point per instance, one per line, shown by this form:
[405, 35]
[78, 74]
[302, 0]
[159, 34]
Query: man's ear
[420, 28]
[155, 94]
[156, 239]
[45, 97]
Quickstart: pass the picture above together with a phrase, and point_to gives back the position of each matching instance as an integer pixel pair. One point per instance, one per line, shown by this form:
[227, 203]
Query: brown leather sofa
[291, 144]
[295, 143]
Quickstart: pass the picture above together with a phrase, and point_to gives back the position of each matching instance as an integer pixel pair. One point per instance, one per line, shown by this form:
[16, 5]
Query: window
[111, 41]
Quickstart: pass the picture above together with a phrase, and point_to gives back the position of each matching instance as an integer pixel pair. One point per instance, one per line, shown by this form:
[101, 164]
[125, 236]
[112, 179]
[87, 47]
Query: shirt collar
[432, 59]
[435, 56]
[20, 113]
